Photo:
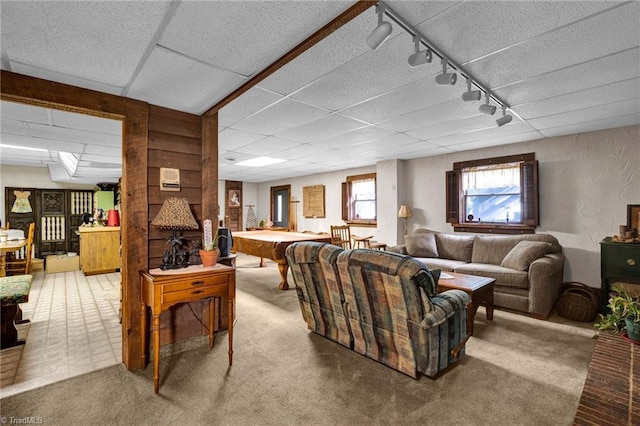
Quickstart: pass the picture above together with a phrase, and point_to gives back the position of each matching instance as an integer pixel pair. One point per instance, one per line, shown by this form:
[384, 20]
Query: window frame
[528, 194]
[347, 208]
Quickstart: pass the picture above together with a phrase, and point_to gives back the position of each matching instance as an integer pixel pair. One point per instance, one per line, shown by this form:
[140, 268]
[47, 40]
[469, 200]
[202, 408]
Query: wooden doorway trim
[134, 233]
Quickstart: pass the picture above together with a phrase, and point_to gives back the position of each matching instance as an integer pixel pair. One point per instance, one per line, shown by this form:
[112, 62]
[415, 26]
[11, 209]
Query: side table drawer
[192, 294]
[193, 283]
[622, 261]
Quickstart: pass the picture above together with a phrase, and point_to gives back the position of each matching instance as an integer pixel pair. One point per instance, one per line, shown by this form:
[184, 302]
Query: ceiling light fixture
[471, 95]
[424, 56]
[25, 148]
[420, 57]
[505, 119]
[382, 31]
[486, 108]
[446, 78]
[259, 162]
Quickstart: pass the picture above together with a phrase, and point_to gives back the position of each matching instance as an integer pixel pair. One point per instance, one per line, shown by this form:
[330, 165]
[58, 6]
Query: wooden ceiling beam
[340, 20]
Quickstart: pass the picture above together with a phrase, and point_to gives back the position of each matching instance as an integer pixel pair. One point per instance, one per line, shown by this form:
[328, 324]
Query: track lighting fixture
[486, 108]
[420, 57]
[382, 31]
[505, 119]
[446, 78]
[471, 95]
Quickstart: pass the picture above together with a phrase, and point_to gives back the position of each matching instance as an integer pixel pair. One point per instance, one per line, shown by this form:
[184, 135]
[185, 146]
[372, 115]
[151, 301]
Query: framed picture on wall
[633, 216]
[235, 199]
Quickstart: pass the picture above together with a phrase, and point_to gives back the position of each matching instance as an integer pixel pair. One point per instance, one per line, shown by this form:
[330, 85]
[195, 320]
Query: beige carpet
[517, 371]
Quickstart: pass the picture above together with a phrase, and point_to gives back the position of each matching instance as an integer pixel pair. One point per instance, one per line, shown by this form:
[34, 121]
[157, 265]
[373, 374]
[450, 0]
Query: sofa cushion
[443, 264]
[421, 245]
[493, 248]
[455, 247]
[525, 252]
[503, 276]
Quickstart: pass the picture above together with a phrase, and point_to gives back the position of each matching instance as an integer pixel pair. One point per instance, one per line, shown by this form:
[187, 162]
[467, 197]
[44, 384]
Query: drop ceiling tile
[417, 12]
[425, 151]
[616, 92]
[469, 124]
[42, 143]
[616, 67]
[73, 135]
[217, 32]
[593, 125]
[323, 128]
[176, 82]
[86, 122]
[404, 100]
[486, 134]
[112, 157]
[23, 112]
[96, 41]
[587, 114]
[366, 76]
[485, 27]
[13, 127]
[447, 112]
[487, 143]
[279, 117]
[303, 150]
[269, 147]
[601, 35]
[356, 137]
[230, 139]
[248, 103]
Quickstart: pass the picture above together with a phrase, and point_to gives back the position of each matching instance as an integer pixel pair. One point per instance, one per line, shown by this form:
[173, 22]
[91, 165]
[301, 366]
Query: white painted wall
[29, 177]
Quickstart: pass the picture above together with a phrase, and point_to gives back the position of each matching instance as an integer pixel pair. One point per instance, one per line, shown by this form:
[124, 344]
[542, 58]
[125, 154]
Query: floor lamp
[404, 213]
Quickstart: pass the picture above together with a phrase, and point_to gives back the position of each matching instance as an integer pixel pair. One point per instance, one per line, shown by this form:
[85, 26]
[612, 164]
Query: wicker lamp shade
[175, 214]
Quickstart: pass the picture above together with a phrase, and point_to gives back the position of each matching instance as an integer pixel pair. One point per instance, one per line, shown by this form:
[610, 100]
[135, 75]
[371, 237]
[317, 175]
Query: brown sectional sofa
[528, 268]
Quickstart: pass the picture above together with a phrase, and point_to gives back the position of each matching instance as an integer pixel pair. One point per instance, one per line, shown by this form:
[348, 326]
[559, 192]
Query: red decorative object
[113, 218]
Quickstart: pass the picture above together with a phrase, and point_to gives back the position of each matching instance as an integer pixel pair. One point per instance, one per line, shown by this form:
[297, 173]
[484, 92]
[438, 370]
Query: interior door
[280, 197]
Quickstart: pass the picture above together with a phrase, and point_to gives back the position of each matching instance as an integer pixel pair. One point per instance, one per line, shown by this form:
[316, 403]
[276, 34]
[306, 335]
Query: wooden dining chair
[341, 236]
[21, 266]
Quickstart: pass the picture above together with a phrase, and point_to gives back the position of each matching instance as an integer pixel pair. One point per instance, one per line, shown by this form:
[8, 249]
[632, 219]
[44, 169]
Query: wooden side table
[479, 289]
[162, 289]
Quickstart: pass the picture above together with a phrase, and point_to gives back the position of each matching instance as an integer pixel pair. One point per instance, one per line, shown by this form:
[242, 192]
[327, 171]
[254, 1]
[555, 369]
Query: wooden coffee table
[480, 289]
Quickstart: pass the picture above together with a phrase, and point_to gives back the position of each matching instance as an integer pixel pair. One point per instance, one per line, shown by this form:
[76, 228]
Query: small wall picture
[234, 198]
[633, 217]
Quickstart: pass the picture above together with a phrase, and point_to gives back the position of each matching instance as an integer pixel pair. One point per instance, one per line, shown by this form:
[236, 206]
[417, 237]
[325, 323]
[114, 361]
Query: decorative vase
[633, 329]
[252, 220]
[209, 257]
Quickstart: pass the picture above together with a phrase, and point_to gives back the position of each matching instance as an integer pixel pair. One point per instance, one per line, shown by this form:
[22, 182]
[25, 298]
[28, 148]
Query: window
[359, 199]
[494, 195]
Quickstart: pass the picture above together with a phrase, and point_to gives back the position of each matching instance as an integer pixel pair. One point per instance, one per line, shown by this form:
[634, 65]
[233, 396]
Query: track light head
[486, 108]
[505, 119]
[471, 95]
[420, 57]
[381, 33]
[446, 78]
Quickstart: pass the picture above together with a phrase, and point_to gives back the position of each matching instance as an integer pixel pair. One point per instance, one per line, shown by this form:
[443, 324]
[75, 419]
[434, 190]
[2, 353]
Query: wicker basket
[577, 302]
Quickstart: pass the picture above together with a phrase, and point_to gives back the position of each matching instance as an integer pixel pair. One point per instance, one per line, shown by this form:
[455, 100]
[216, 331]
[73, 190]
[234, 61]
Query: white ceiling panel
[587, 114]
[611, 93]
[279, 117]
[230, 139]
[613, 68]
[42, 143]
[418, 12]
[14, 127]
[486, 134]
[247, 104]
[89, 123]
[24, 112]
[497, 141]
[63, 134]
[269, 147]
[97, 41]
[216, 32]
[469, 124]
[323, 128]
[188, 85]
[590, 126]
[482, 28]
[356, 137]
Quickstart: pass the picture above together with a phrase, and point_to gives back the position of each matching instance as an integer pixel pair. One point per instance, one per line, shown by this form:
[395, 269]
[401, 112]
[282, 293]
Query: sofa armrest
[545, 279]
[400, 249]
[443, 306]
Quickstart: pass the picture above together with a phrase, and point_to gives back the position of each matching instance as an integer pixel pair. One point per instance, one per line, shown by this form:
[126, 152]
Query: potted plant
[624, 315]
[210, 252]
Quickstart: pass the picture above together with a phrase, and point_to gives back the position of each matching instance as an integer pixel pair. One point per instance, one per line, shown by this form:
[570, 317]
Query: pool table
[272, 245]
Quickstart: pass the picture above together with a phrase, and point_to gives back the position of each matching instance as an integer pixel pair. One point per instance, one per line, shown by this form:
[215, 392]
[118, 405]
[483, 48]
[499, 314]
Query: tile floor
[74, 329]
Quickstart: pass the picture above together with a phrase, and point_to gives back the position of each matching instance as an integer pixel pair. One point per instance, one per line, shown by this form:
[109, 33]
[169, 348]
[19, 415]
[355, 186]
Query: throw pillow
[525, 252]
[421, 245]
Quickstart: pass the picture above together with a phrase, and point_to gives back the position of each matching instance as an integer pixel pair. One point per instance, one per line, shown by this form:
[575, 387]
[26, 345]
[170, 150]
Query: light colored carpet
[517, 371]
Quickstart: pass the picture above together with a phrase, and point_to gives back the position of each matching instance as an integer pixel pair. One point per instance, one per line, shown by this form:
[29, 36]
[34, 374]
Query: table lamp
[404, 213]
[175, 214]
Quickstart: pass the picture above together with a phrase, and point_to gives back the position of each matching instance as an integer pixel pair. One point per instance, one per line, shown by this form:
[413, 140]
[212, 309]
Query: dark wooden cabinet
[57, 214]
[618, 262]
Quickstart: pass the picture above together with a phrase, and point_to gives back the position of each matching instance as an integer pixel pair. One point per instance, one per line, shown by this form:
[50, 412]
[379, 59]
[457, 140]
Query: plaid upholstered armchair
[382, 305]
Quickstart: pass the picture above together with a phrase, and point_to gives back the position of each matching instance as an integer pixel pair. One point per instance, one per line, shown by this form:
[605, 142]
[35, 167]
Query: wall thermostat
[169, 179]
